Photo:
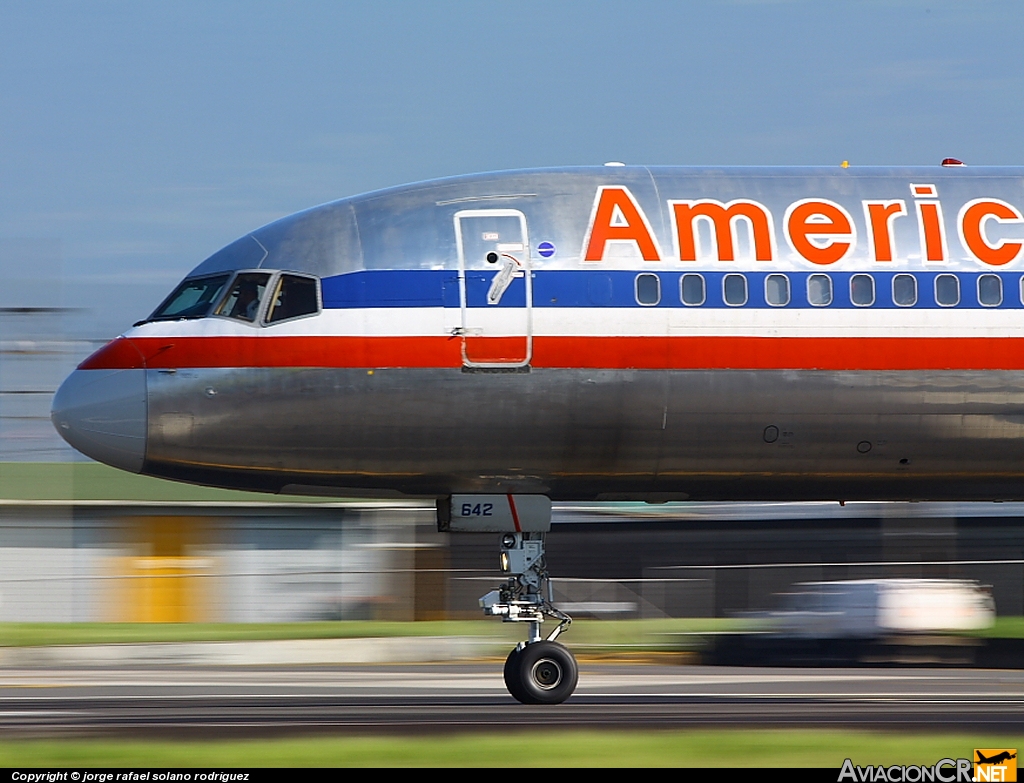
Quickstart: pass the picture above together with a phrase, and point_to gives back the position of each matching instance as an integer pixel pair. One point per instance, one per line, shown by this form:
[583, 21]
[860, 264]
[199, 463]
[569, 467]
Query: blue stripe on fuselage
[618, 288]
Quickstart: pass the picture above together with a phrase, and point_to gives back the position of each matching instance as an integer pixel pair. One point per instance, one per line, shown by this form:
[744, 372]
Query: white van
[874, 608]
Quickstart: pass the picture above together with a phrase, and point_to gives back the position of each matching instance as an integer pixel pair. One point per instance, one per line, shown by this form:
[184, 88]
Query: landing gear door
[495, 287]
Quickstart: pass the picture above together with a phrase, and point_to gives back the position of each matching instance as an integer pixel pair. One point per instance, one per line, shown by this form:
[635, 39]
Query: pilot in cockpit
[248, 301]
[243, 301]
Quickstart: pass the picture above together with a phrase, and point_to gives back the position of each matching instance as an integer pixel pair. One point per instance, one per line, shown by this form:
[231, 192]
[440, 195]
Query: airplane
[999, 758]
[499, 341]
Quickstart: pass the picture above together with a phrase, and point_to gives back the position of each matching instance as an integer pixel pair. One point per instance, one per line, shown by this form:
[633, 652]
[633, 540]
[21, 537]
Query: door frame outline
[528, 276]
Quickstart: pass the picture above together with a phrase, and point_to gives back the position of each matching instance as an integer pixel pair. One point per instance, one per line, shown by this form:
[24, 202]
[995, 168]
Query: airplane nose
[102, 413]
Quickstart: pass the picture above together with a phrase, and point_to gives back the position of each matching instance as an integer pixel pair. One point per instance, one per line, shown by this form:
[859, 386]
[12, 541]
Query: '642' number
[477, 510]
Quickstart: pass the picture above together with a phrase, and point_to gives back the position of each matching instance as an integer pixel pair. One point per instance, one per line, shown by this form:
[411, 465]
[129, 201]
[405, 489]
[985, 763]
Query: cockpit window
[191, 299]
[293, 296]
[243, 300]
[240, 297]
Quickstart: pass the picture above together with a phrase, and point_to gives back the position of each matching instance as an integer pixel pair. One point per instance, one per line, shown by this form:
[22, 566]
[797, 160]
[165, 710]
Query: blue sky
[136, 138]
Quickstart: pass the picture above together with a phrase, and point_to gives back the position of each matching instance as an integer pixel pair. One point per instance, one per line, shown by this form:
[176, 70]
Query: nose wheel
[541, 673]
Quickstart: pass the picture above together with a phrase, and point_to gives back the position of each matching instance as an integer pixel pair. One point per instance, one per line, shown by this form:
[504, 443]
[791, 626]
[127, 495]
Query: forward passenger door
[495, 287]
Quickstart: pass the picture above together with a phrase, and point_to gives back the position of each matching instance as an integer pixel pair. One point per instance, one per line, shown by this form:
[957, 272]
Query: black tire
[546, 673]
[512, 676]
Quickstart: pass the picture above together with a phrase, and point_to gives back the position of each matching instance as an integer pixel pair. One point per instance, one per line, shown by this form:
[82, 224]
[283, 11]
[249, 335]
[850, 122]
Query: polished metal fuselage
[594, 435]
[589, 432]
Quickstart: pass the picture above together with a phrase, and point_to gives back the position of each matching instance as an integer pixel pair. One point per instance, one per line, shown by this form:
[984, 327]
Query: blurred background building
[167, 559]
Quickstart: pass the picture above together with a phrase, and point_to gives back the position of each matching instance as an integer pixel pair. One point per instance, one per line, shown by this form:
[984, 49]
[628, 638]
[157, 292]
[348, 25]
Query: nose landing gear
[537, 671]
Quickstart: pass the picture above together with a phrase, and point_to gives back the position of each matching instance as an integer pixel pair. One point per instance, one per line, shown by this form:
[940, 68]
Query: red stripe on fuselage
[118, 354]
[163, 353]
[646, 353]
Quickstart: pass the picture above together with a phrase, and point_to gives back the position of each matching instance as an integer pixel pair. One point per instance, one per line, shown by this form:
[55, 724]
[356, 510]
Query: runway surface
[471, 697]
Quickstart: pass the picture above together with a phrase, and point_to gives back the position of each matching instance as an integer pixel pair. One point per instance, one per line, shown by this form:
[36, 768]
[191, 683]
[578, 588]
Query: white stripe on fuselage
[620, 322]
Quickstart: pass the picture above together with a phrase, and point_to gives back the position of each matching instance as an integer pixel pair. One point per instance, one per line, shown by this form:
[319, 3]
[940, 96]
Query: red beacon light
[952, 162]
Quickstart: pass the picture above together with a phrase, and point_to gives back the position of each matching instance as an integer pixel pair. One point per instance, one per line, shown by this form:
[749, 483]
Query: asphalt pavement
[456, 697]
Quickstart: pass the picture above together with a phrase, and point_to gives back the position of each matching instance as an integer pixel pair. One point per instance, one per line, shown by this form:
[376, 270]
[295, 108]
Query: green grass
[681, 748]
[585, 635]
[1005, 628]
[35, 634]
[667, 634]
[596, 635]
[94, 481]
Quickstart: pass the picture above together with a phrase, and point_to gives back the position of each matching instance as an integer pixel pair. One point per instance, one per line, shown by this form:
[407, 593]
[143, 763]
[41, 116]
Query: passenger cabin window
[862, 290]
[692, 290]
[819, 290]
[648, 289]
[734, 288]
[293, 296]
[191, 299]
[990, 290]
[947, 290]
[243, 300]
[776, 290]
[904, 290]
